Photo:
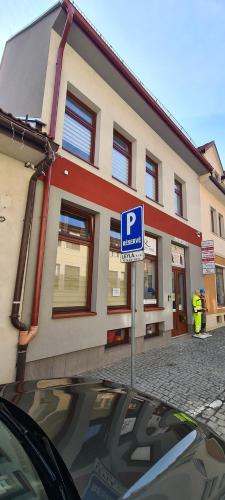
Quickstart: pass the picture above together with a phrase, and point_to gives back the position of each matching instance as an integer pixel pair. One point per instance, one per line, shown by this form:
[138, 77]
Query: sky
[175, 47]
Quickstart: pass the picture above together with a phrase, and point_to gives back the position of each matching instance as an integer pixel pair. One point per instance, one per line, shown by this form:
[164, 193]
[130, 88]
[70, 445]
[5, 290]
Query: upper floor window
[72, 286]
[213, 220]
[121, 158]
[220, 289]
[221, 226]
[151, 177]
[79, 129]
[178, 197]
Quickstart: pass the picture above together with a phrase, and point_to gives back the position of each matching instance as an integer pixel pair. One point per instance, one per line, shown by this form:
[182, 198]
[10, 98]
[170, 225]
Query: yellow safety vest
[196, 303]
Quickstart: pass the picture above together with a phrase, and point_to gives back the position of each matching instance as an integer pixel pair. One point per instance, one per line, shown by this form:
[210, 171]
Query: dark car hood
[112, 437]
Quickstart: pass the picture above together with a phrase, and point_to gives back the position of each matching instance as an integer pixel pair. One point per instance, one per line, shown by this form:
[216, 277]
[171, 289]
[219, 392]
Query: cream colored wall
[207, 201]
[112, 109]
[13, 194]
[212, 157]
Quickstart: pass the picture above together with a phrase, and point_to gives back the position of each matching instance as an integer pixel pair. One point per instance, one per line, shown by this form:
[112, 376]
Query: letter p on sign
[131, 219]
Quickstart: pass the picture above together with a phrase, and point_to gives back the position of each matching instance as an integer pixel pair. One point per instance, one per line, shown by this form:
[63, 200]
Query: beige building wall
[13, 194]
[212, 156]
[212, 197]
[208, 200]
[112, 111]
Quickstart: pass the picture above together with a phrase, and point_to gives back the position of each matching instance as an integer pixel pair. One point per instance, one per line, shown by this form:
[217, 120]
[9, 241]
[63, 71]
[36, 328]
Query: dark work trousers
[203, 325]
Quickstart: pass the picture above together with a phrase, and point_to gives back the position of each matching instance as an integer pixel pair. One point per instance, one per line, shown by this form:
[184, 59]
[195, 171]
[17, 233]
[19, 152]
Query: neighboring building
[118, 148]
[21, 149]
[213, 216]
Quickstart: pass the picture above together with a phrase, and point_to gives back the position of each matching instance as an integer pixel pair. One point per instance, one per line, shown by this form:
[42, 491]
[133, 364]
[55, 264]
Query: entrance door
[179, 302]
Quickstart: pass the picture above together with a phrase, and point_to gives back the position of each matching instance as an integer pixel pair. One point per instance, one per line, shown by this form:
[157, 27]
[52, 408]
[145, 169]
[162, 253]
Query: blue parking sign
[132, 230]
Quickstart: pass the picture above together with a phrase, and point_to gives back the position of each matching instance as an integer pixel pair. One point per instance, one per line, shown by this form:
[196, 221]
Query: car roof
[109, 435]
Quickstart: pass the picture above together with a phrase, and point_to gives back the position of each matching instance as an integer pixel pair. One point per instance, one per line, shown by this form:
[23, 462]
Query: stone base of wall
[89, 359]
[214, 321]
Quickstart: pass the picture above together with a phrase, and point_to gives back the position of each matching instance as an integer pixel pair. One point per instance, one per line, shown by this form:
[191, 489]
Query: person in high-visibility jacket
[197, 310]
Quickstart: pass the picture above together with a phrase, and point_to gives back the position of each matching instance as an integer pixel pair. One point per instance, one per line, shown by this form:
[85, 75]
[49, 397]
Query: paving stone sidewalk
[188, 373]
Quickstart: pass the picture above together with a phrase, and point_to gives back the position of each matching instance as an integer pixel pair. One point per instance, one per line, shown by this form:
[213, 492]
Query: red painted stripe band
[91, 187]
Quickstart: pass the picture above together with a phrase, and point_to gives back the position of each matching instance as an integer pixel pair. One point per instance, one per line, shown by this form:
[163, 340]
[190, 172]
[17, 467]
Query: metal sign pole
[133, 307]
[132, 250]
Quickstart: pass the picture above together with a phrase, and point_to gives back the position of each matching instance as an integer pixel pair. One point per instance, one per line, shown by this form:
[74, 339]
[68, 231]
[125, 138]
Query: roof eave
[19, 130]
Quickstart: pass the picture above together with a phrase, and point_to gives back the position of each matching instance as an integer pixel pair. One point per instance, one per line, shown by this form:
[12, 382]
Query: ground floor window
[220, 290]
[119, 272]
[152, 330]
[150, 272]
[72, 285]
[118, 336]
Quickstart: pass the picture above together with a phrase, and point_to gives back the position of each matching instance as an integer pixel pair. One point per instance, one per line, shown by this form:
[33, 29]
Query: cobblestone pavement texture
[188, 373]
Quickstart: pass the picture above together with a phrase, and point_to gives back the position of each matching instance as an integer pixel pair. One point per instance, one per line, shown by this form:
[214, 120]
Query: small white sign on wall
[150, 245]
[116, 292]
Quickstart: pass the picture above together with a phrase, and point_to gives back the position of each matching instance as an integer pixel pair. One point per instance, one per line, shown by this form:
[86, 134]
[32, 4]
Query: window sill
[118, 311]
[154, 201]
[78, 314]
[116, 344]
[75, 156]
[153, 308]
[124, 183]
[181, 216]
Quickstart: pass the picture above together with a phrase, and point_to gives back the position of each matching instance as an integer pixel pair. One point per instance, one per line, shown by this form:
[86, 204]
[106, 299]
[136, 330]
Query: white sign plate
[150, 245]
[208, 257]
[132, 256]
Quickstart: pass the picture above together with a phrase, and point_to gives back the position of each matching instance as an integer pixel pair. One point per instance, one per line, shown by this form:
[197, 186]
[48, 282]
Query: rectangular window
[213, 220]
[220, 286]
[79, 129]
[119, 336]
[178, 198]
[152, 330]
[221, 226]
[72, 286]
[151, 179]
[121, 159]
[150, 272]
[119, 272]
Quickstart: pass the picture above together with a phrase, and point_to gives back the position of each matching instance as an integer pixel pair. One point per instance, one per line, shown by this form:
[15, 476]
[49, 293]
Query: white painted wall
[95, 92]
[13, 194]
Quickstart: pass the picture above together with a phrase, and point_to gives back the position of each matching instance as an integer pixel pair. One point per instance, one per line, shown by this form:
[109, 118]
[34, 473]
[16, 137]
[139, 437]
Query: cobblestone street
[189, 373]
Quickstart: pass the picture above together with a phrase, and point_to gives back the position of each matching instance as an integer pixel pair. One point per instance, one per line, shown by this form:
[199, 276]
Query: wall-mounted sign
[116, 292]
[178, 256]
[149, 245]
[208, 257]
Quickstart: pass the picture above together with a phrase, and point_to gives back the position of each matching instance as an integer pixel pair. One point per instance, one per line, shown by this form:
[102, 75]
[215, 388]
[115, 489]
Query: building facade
[118, 149]
[21, 149]
[213, 214]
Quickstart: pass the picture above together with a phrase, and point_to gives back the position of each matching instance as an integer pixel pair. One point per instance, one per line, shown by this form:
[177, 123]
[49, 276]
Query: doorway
[180, 325]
